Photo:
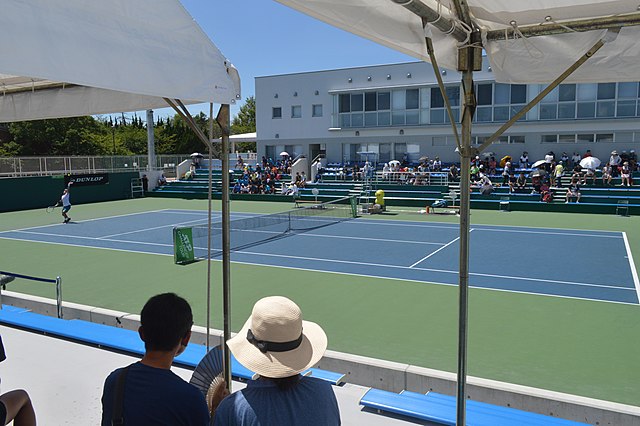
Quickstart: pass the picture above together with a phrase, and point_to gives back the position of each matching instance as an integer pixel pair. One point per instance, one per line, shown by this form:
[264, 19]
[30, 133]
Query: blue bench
[123, 340]
[441, 409]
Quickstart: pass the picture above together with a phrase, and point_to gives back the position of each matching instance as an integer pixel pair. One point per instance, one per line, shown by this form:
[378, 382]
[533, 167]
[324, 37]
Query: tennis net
[190, 243]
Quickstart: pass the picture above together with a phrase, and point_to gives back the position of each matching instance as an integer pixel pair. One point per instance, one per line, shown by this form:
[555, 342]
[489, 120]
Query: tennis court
[554, 302]
[582, 264]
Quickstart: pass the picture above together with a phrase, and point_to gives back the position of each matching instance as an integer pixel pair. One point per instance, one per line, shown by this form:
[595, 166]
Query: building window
[604, 137]
[549, 138]
[567, 138]
[585, 138]
[485, 94]
[276, 112]
[316, 110]
[296, 111]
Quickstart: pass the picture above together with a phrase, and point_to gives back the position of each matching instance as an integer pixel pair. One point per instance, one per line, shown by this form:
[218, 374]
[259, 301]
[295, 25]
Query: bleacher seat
[441, 409]
[123, 340]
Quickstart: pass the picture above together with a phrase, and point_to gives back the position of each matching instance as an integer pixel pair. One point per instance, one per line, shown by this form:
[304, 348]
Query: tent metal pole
[442, 23]
[224, 121]
[463, 276]
[209, 222]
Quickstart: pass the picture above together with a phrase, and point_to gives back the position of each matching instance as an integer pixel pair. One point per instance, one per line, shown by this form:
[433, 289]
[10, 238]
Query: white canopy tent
[517, 60]
[544, 41]
[64, 58]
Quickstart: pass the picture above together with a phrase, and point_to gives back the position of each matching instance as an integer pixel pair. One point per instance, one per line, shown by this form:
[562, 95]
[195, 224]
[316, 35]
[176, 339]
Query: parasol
[504, 160]
[394, 162]
[538, 164]
[197, 154]
[284, 154]
[538, 173]
[423, 159]
[590, 163]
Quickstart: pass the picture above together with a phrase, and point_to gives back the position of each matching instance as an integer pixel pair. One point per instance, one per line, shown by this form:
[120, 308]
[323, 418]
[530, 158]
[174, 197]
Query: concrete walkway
[65, 381]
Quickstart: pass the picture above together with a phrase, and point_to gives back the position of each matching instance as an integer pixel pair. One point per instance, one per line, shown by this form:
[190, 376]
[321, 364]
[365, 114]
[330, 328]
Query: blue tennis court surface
[584, 264]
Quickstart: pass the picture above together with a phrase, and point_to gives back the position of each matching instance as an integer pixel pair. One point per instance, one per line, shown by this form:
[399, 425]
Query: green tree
[245, 122]
[64, 136]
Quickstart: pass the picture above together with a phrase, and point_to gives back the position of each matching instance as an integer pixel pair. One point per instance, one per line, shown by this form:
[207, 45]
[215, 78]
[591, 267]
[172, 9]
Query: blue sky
[263, 37]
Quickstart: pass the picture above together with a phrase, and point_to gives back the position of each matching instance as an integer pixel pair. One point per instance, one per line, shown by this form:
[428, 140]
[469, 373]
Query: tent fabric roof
[73, 57]
[533, 60]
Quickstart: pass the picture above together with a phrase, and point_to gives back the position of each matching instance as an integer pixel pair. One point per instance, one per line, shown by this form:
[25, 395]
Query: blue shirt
[311, 403]
[155, 396]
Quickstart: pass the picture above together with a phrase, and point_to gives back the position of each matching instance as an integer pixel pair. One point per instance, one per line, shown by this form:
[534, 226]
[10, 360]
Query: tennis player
[66, 203]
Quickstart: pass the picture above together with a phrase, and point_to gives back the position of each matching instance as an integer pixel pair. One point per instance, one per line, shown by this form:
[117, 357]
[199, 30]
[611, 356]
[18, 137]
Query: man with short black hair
[147, 392]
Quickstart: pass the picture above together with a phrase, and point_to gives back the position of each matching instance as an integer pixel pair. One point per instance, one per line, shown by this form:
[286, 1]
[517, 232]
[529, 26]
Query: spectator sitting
[625, 174]
[162, 180]
[386, 171]
[521, 183]
[278, 345]
[573, 192]
[454, 173]
[437, 165]
[15, 405]
[565, 159]
[150, 392]
[486, 188]
[590, 174]
[493, 164]
[512, 182]
[577, 177]
[606, 175]
[575, 159]
[237, 188]
[524, 160]
[536, 182]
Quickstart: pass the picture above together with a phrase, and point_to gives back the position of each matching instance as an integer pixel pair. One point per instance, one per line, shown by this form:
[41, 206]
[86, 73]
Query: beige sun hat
[275, 342]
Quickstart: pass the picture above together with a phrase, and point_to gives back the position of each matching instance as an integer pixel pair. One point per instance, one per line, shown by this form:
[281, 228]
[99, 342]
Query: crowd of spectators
[261, 179]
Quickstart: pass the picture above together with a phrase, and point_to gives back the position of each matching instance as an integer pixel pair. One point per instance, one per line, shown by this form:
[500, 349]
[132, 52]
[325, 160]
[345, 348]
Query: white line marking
[83, 238]
[632, 265]
[149, 229]
[341, 273]
[307, 234]
[432, 253]
[548, 233]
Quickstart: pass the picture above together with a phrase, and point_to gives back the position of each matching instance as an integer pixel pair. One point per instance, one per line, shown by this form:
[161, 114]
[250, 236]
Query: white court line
[347, 273]
[489, 225]
[432, 253]
[83, 238]
[149, 229]
[632, 265]
[81, 221]
[489, 228]
[307, 234]
[287, 256]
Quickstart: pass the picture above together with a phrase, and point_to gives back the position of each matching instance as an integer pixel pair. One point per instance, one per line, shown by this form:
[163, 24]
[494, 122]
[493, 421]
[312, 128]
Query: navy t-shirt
[311, 403]
[155, 396]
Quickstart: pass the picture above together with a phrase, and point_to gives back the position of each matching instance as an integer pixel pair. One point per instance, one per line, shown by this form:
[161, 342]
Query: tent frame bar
[552, 28]
[442, 23]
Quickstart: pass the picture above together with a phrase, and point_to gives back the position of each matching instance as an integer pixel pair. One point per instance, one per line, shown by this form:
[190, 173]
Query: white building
[397, 109]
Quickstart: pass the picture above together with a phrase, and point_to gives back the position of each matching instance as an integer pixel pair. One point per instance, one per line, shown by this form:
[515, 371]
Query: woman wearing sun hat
[277, 344]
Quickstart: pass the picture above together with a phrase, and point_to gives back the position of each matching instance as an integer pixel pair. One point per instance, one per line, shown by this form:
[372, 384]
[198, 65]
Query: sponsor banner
[87, 180]
[183, 245]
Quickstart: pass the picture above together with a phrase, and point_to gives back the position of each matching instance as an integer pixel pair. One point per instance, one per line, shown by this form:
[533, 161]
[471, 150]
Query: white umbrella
[197, 154]
[284, 154]
[590, 163]
[538, 164]
[394, 162]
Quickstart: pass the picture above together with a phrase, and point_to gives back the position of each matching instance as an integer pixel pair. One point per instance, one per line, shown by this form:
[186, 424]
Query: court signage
[87, 180]
[183, 245]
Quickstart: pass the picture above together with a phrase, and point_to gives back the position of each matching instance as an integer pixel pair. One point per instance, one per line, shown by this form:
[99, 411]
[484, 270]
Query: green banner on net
[183, 245]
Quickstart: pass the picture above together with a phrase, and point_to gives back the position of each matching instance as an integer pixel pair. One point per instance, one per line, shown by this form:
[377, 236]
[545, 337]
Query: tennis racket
[53, 207]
